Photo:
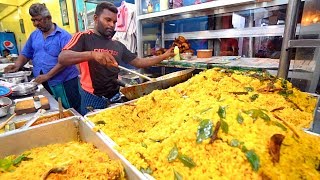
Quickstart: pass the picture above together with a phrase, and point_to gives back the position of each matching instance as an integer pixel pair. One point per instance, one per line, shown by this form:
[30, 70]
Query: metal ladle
[136, 73]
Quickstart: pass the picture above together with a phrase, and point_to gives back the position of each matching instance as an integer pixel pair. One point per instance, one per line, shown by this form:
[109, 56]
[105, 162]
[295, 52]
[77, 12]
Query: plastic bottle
[177, 53]
[158, 43]
[164, 5]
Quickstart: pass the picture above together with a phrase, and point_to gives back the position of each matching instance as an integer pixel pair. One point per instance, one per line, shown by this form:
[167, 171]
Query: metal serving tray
[61, 131]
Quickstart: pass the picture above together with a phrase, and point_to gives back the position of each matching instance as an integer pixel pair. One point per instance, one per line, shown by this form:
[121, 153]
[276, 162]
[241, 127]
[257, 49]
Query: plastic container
[177, 53]
[204, 53]
[164, 5]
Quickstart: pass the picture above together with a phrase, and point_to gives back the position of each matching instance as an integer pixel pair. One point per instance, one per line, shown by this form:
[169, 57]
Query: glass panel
[307, 60]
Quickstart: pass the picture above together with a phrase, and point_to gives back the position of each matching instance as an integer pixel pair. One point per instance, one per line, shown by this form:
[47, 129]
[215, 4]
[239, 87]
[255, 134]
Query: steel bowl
[5, 104]
[24, 89]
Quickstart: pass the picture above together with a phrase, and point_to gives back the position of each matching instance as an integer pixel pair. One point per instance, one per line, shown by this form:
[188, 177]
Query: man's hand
[42, 78]
[168, 53]
[10, 69]
[105, 59]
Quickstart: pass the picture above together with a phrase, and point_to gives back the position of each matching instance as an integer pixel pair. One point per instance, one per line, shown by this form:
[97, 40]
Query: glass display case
[247, 28]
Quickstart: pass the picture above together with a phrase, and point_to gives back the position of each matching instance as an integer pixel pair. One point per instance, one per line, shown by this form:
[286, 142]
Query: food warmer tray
[61, 131]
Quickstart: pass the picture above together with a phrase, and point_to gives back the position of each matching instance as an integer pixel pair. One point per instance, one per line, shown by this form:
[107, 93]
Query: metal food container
[163, 82]
[24, 89]
[61, 131]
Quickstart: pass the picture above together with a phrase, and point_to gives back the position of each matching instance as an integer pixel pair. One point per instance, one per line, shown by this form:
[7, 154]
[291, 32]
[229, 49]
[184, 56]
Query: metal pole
[289, 33]
[251, 21]
[139, 30]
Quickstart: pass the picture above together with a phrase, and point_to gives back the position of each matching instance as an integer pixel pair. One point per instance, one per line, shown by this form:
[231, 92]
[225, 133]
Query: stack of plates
[5, 91]
[23, 89]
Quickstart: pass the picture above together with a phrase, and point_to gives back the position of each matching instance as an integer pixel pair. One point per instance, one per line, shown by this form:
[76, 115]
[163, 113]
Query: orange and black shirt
[96, 78]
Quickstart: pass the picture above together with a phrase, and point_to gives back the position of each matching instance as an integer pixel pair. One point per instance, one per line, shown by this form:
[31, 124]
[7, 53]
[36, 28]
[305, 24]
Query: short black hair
[105, 5]
[37, 9]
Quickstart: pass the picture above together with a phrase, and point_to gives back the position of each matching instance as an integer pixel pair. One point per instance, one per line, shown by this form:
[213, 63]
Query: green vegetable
[254, 160]
[6, 163]
[187, 161]
[224, 126]
[177, 175]
[205, 110]
[264, 116]
[239, 118]
[254, 97]
[234, 143]
[244, 148]
[173, 154]
[255, 113]
[204, 130]
[222, 112]
[280, 125]
[249, 89]
[148, 170]
[20, 158]
[284, 84]
[144, 145]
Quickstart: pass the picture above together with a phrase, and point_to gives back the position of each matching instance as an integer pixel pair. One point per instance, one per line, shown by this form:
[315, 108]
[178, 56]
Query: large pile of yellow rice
[148, 129]
[81, 161]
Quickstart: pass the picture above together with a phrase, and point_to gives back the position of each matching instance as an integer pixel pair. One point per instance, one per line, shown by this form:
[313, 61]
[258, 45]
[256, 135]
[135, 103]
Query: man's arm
[147, 62]
[69, 57]
[21, 61]
[45, 77]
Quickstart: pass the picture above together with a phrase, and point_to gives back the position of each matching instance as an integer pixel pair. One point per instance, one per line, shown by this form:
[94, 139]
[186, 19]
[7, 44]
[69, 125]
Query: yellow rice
[81, 161]
[172, 116]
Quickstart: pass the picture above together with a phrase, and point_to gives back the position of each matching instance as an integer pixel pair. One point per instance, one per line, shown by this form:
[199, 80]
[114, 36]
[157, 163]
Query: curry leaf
[205, 110]
[280, 125]
[224, 126]
[254, 97]
[20, 158]
[173, 154]
[222, 112]
[244, 148]
[249, 89]
[204, 130]
[177, 175]
[254, 113]
[264, 116]
[239, 118]
[187, 161]
[254, 160]
[234, 143]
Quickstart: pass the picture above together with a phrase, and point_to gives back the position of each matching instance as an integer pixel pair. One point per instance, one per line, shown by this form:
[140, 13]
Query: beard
[105, 32]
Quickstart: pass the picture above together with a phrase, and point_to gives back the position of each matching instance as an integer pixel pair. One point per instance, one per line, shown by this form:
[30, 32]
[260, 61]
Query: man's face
[42, 23]
[105, 23]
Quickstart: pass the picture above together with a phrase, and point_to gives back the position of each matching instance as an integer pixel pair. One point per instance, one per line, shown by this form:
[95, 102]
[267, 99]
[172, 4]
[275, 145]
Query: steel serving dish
[62, 131]
[5, 104]
[163, 82]
[24, 88]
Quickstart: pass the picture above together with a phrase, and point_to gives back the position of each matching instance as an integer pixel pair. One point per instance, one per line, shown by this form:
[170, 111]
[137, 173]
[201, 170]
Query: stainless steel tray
[61, 131]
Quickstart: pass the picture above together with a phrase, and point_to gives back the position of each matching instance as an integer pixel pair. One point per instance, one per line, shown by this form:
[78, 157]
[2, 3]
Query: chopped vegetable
[254, 160]
[256, 113]
[224, 126]
[144, 145]
[101, 122]
[222, 112]
[254, 97]
[234, 143]
[6, 164]
[173, 154]
[148, 170]
[239, 118]
[187, 161]
[204, 130]
[177, 175]
[205, 110]
[280, 125]
[249, 89]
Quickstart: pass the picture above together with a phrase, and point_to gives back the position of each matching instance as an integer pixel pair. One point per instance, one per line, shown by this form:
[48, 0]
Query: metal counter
[40, 91]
